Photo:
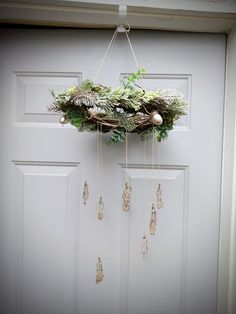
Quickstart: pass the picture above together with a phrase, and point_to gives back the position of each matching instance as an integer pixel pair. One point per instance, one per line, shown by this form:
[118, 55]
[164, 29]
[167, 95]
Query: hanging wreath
[125, 109]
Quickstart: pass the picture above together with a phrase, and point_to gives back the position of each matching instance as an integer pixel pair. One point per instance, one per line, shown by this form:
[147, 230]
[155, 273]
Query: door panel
[50, 240]
[46, 202]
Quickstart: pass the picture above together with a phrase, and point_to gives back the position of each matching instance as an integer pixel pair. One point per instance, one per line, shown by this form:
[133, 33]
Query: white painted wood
[33, 94]
[167, 254]
[227, 261]
[46, 202]
[195, 5]
[187, 242]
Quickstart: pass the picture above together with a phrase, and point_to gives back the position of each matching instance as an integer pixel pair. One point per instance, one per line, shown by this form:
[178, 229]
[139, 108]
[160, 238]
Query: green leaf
[75, 117]
[118, 136]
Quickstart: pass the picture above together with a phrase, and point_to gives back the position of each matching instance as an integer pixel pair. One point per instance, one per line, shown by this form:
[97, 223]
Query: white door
[50, 240]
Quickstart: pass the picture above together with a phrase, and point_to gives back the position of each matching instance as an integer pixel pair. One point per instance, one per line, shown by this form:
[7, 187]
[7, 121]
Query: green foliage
[125, 122]
[126, 108]
[76, 118]
[146, 134]
[117, 136]
[130, 81]
[162, 131]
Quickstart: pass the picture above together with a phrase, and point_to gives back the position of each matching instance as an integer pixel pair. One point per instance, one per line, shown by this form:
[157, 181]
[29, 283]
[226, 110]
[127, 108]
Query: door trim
[227, 240]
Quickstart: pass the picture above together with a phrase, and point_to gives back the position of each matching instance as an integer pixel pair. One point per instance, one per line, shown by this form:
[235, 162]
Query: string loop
[119, 29]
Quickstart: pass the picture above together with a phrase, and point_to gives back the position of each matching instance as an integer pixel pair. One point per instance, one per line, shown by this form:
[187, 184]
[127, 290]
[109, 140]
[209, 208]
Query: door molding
[181, 15]
[227, 240]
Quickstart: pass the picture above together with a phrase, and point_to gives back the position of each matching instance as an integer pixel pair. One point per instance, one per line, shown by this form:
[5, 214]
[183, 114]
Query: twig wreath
[121, 110]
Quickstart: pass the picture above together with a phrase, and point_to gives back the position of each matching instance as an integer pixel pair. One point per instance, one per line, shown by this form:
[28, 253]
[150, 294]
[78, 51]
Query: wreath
[125, 109]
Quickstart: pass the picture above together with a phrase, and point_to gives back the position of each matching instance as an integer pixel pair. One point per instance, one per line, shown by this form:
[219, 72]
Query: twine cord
[153, 155]
[131, 48]
[105, 55]
[145, 218]
[110, 47]
[126, 155]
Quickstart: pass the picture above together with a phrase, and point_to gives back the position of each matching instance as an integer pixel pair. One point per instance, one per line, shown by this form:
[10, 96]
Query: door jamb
[227, 241]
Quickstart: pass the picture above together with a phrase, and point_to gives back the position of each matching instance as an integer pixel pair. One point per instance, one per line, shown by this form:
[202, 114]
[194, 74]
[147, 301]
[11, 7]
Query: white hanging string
[100, 159]
[158, 165]
[153, 161]
[110, 47]
[131, 48]
[126, 156]
[99, 187]
[111, 44]
[146, 206]
[98, 162]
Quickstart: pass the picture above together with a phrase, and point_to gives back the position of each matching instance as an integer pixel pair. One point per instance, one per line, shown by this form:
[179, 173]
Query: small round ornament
[63, 119]
[156, 118]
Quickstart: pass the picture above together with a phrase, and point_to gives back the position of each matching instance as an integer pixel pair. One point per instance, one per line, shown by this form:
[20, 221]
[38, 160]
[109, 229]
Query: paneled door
[49, 239]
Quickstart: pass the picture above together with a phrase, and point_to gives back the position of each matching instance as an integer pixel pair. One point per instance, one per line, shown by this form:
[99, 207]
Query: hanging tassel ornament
[85, 193]
[144, 248]
[159, 197]
[126, 195]
[99, 271]
[153, 220]
[100, 209]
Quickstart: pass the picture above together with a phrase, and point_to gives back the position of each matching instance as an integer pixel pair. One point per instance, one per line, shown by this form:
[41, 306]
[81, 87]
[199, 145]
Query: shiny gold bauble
[156, 118]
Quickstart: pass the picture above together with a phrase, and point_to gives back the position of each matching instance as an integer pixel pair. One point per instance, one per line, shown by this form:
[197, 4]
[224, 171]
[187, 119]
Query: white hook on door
[122, 12]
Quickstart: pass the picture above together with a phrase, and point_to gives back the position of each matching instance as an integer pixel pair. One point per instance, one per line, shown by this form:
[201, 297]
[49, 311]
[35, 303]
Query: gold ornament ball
[156, 118]
[63, 119]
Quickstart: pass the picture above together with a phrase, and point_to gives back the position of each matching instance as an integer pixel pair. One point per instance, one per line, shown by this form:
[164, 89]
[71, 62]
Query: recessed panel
[180, 82]
[32, 94]
[156, 285]
[47, 206]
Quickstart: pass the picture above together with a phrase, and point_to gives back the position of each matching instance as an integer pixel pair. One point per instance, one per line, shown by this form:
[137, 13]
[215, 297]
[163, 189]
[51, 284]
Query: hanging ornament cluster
[153, 222]
[127, 108]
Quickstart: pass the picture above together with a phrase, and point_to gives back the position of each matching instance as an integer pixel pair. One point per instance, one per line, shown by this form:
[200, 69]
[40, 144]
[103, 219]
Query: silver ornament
[156, 118]
[63, 119]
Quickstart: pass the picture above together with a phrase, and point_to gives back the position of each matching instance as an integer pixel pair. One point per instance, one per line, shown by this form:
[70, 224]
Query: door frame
[227, 237]
[105, 15]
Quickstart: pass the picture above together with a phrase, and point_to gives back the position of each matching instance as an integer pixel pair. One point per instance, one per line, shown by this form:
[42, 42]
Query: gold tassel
[159, 197]
[144, 248]
[99, 271]
[126, 196]
[100, 209]
[85, 192]
[153, 220]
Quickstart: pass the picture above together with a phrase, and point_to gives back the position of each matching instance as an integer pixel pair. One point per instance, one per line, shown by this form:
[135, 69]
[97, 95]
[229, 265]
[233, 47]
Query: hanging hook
[123, 27]
[122, 11]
